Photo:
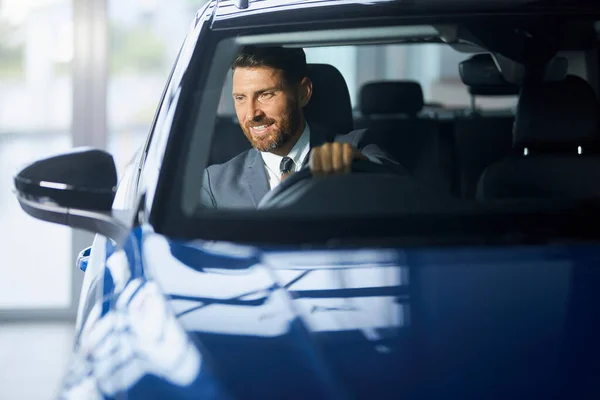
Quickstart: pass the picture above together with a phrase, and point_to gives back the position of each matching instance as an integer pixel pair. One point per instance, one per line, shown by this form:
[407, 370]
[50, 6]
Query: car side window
[155, 147]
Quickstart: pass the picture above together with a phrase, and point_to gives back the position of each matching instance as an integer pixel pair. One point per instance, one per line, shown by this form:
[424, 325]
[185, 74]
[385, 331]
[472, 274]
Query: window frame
[171, 209]
[161, 126]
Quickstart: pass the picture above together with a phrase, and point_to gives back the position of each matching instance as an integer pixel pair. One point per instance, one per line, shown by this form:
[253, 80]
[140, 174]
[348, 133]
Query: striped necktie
[286, 167]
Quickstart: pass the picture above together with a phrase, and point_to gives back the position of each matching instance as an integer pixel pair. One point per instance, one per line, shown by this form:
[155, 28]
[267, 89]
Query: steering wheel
[273, 197]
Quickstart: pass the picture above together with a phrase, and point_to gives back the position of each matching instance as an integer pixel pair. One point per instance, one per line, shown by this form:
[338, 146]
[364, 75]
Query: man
[270, 89]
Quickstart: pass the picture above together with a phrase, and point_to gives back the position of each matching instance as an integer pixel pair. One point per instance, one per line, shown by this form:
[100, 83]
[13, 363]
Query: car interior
[545, 147]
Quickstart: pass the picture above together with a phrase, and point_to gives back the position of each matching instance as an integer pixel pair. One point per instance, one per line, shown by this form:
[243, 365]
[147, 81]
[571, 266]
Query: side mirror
[74, 189]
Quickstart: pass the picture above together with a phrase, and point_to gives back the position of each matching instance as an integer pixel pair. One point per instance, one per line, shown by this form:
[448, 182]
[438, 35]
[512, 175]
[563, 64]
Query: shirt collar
[298, 153]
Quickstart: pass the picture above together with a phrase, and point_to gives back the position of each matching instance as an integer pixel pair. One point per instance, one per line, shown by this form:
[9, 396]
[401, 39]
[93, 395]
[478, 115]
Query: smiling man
[270, 90]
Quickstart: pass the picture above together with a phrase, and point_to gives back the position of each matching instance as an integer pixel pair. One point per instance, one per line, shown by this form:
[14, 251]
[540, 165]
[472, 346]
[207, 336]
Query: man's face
[268, 109]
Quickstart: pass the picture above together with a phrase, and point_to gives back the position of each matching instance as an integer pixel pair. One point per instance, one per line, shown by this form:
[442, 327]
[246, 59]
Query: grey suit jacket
[242, 181]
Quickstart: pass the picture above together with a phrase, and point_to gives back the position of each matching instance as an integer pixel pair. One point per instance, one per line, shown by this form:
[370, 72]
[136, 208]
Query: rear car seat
[390, 110]
[481, 139]
[556, 142]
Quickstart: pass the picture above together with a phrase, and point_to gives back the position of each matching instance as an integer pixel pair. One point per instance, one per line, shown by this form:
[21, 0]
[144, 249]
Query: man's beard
[288, 127]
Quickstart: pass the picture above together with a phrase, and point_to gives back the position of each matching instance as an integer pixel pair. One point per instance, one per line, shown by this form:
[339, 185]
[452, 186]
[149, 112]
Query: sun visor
[481, 75]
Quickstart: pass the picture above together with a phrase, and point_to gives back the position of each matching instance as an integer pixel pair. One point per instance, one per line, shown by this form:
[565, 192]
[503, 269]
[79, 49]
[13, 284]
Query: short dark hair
[292, 61]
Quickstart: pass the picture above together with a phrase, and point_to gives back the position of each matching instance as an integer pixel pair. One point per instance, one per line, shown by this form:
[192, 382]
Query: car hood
[485, 322]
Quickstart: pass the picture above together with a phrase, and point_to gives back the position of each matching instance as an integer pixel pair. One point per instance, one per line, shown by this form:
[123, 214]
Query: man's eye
[267, 95]
[239, 98]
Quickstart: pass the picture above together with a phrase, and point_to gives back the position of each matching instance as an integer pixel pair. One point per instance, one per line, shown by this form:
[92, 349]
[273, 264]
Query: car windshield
[441, 120]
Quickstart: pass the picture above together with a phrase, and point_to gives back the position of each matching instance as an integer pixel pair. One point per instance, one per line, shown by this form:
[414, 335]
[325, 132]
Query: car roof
[228, 14]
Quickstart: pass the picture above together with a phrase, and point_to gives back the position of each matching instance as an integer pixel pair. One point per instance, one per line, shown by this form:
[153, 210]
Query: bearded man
[270, 90]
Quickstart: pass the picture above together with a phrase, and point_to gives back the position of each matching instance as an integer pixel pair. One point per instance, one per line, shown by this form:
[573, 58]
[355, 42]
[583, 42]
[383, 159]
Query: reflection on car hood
[365, 323]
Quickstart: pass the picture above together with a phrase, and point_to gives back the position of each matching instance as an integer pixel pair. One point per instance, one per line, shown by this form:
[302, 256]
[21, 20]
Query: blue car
[470, 271]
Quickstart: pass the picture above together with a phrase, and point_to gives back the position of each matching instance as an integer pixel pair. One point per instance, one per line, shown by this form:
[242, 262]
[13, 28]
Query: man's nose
[254, 112]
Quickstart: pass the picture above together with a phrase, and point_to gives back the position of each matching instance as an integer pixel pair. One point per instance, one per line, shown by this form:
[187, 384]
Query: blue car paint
[83, 258]
[361, 323]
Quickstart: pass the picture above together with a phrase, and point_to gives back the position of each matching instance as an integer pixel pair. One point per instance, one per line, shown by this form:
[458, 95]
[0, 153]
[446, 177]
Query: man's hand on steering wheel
[333, 158]
[329, 159]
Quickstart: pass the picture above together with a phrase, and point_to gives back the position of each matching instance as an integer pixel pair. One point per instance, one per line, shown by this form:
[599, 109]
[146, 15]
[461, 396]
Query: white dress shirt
[298, 154]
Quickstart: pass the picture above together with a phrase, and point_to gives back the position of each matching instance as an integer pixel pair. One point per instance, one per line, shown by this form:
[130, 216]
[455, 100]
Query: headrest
[329, 105]
[391, 97]
[483, 90]
[555, 112]
[483, 78]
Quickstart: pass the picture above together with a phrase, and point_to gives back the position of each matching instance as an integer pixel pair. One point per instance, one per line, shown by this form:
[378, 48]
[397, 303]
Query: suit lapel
[256, 181]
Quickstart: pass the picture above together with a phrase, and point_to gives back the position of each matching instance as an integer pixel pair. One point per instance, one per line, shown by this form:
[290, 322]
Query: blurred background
[90, 73]
[72, 73]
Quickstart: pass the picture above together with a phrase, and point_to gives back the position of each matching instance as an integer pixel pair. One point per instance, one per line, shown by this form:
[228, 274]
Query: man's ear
[305, 91]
